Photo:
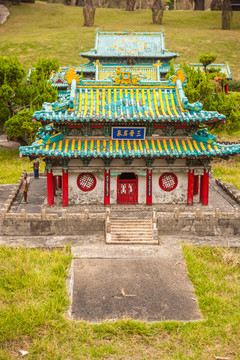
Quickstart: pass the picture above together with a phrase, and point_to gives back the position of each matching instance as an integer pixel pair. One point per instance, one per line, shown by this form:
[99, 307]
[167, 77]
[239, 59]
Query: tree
[157, 11]
[216, 5]
[226, 14]
[207, 59]
[89, 12]
[198, 4]
[22, 127]
[18, 94]
[130, 5]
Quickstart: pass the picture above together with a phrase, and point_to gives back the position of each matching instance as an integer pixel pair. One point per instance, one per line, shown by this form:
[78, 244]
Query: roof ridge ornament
[71, 74]
[125, 78]
[179, 75]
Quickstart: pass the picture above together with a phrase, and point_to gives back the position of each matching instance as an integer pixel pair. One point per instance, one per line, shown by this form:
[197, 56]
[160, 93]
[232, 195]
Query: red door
[127, 191]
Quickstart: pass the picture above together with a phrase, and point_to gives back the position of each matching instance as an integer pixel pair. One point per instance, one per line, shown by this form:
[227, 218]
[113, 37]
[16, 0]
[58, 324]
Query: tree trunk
[130, 5]
[226, 14]
[79, 3]
[88, 12]
[157, 12]
[216, 5]
[199, 4]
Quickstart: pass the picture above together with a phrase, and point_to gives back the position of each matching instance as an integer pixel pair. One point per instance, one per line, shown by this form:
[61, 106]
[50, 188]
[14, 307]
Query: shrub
[234, 85]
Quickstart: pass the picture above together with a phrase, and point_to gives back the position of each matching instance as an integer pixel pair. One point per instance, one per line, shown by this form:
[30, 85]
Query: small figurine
[25, 189]
[36, 169]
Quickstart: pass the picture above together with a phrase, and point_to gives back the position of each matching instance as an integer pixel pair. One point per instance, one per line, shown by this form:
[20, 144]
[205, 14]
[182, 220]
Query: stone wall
[138, 166]
[17, 224]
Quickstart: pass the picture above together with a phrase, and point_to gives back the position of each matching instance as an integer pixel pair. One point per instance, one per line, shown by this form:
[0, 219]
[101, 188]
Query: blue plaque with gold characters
[128, 133]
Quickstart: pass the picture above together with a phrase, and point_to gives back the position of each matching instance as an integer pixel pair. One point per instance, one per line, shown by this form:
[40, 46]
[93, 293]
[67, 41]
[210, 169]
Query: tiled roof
[157, 148]
[224, 68]
[129, 44]
[122, 104]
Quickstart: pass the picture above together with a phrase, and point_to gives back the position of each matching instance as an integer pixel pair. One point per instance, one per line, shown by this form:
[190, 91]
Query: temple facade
[122, 134]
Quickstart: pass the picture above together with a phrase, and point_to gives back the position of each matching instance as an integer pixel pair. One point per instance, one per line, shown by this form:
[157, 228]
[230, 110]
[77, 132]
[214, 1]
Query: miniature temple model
[124, 135]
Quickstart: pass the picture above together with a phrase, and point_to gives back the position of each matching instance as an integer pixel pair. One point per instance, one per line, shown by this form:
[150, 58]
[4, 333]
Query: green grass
[43, 29]
[11, 166]
[228, 171]
[34, 301]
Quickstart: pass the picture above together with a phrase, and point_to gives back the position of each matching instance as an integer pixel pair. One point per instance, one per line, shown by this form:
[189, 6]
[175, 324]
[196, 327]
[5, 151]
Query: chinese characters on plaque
[127, 133]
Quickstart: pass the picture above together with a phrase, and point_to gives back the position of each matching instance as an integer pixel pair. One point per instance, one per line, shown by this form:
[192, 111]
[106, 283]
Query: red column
[196, 184]
[190, 187]
[59, 182]
[65, 187]
[54, 184]
[107, 187]
[226, 89]
[50, 190]
[149, 187]
[205, 191]
[201, 188]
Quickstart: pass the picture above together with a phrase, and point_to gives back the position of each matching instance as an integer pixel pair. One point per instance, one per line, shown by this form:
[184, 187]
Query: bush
[21, 127]
[208, 90]
[234, 85]
[16, 94]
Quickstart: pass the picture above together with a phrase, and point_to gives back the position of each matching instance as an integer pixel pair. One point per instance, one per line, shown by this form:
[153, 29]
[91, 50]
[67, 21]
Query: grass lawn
[12, 166]
[42, 29]
[34, 302]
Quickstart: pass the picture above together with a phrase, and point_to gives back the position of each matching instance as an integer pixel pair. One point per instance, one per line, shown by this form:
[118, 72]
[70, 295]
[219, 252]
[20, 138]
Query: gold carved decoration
[71, 75]
[125, 78]
[180, 74]
[157, 64]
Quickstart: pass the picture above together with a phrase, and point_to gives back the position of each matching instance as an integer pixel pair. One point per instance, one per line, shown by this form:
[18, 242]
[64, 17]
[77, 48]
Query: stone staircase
[130, 230]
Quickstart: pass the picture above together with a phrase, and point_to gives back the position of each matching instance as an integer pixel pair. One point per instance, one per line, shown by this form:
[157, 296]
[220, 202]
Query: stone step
[125, 227]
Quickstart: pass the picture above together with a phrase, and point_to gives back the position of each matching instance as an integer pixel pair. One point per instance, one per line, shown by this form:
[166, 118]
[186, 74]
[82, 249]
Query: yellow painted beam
[159, 145]
[117, 145]
[66, 145]
[85, 145]
[97, 102]
[135, 145]
[190, 145]
[73, 145]
[79, 145]
[60, 145]
[86, 104]
[150, 102]
[165, 145]
[171, 144]
[167, 104]
[195, 145]
[123, 145]
[91, 102]
[98, 145]
[184, 145]
[161, 102]
[92, 145]
[146, 145]
[173, 104]
[177, 145]
[80, 104]
[153, 145]
[103, 102]
[109, 101]
[202, 146]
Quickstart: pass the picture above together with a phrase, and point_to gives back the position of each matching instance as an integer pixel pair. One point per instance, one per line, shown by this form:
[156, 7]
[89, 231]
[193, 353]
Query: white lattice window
[86, 182]
[168, 181]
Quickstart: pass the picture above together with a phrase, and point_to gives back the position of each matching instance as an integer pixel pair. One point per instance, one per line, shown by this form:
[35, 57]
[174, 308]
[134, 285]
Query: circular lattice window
[168, 181]
[86, 182]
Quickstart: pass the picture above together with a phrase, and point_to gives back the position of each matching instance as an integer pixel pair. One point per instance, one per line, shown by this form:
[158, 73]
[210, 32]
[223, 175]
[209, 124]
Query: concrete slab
[150, 287]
